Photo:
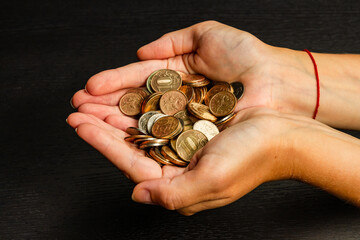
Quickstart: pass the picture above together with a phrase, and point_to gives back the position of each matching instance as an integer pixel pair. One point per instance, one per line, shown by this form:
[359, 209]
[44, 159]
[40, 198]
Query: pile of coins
[178, 114]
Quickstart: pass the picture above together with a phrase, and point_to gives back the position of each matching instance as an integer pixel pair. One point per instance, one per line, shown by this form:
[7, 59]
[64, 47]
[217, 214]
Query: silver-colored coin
[152, 119]
[143, 120]
[225, 119]
[209, 129]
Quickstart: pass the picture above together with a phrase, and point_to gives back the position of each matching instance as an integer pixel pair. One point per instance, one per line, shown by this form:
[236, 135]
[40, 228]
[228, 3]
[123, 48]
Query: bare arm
[339, 85]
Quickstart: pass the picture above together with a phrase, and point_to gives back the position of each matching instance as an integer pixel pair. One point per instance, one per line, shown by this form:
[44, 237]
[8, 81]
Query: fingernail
[76, 130]
[67, 121]
[142, 196]
[85, 89]
[71, 104]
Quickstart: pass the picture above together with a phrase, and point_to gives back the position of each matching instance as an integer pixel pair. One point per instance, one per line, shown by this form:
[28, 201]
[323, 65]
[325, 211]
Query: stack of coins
[178, 114]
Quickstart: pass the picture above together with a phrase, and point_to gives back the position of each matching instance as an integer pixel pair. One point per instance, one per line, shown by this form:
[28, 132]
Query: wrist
[294, 89]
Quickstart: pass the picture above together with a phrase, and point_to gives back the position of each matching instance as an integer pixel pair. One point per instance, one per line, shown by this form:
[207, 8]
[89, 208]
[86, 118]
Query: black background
[55, 186]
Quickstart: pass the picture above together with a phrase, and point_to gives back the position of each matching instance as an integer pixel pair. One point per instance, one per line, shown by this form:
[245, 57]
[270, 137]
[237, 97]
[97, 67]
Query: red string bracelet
[317, 84]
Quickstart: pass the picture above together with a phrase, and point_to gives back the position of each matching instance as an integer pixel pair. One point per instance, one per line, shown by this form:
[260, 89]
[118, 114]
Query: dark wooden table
[55, 186]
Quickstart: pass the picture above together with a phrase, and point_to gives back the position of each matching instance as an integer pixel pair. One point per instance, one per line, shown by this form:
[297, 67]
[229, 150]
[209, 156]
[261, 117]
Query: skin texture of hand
[259, 145]
[277, 78]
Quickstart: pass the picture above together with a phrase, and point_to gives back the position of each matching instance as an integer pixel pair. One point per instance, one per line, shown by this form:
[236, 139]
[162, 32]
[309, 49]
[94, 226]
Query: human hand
[217, 51]
[261, 145]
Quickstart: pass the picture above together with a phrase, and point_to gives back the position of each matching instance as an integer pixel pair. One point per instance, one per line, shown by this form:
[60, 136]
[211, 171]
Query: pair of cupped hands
[260, 144]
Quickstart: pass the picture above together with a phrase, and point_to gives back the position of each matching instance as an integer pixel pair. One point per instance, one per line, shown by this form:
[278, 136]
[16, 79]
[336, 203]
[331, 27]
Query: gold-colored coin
[134, 131]
[201, 111]
[188, 91]
[151, 103]
[203, 93]
[166, 127]
[189, 127]
[130, 104]
[188, 143]
[155, 153]
[214, 90]
[148, 81]
[198, 95]
[170, 155]
[208, 128]
[173, 143]
[132, 138]
[164, 80]
[222, 103]
[172, 102]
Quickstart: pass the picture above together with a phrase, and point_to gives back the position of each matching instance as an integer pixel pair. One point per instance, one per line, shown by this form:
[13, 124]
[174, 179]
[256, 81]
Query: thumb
[174, 193]
[176, 43]
[169, 45]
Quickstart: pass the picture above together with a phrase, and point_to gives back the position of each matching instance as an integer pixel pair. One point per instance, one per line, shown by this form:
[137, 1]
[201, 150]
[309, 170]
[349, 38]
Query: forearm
[339, 85]
[331, 161]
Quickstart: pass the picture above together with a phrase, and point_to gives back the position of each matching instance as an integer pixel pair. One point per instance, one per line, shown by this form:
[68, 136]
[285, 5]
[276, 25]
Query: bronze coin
[238, 89]
[197, 95]
[189, 142]
[200, 84]
[170, 155]
[203, 93]
[155, 153]
[140, 140]
[188, 91]
[214, 90]
[130, 104]
[151, 143]
[191, 78]
[172, 102]
[143, 120]
[201, 111]
[222, 103]
[132, 138]
[134, 131]
[165, 127]
[183, 115]
[152, 120]
[164, 80]
[140, 91]
[151, 103]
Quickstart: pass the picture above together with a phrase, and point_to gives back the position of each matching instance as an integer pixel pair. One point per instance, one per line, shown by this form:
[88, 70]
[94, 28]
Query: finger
[169, 45]
[99, 110]
[121, 122]
[174, 193]
[111, 99]
[127, 158]
[75, 119]
[132, 75]
[205, 205]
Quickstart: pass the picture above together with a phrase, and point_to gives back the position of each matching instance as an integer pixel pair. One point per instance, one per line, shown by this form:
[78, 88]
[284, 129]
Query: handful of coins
[180, 113]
